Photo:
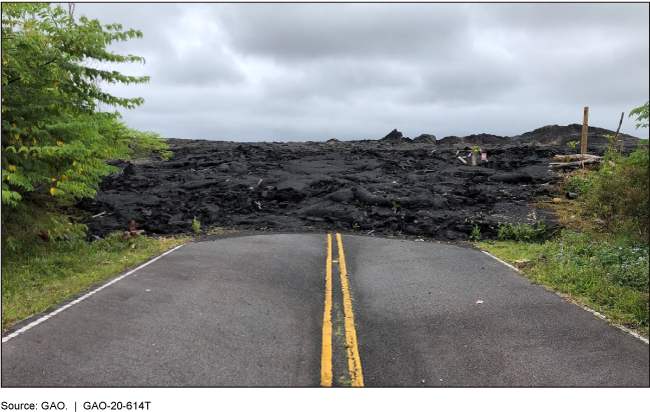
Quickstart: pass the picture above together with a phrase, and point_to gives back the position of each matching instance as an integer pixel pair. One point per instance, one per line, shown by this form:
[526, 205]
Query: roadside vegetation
[59, 130]
[599, 258]
[46, 273]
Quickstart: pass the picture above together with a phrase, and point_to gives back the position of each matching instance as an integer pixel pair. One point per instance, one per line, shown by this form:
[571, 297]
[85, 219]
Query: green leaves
[642, 114]
[54, 139]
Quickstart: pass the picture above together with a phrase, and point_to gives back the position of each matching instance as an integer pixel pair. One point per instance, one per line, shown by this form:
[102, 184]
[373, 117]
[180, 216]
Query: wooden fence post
[583, 146]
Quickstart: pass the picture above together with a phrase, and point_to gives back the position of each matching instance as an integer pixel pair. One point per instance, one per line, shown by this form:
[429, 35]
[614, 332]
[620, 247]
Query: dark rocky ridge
[391, 186]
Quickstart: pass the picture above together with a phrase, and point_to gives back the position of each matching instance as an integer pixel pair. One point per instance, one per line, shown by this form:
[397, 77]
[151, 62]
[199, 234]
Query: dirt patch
[391, 186]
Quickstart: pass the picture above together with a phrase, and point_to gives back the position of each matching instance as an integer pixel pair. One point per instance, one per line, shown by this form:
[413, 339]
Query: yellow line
[354, 361]
[326, 356]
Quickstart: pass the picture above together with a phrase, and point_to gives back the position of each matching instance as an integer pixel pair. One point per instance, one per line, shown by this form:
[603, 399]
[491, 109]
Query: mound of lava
[393, 186]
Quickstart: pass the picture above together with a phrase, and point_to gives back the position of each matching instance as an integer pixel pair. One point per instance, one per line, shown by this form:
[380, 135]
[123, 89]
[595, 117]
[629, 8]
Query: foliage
[144, 144]
[196, 226]
[475, 236]
[578, 184]
[642, 114]
[618, 194]
[522, 232]
[140, 144]
[54, 139]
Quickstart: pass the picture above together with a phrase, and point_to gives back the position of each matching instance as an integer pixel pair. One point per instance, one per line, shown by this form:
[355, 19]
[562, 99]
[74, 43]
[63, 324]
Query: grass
[45, 274]
[609, 276]
[522, 232]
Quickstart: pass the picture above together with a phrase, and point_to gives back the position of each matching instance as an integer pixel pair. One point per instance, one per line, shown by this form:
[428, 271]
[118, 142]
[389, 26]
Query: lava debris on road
[394, 186]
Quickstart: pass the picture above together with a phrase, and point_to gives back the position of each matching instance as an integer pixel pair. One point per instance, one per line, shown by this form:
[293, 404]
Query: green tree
[54, 140]
[642, 114]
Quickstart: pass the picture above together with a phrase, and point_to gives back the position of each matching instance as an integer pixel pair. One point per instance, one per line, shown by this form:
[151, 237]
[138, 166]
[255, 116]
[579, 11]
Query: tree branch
[18, 78]
[11, 81]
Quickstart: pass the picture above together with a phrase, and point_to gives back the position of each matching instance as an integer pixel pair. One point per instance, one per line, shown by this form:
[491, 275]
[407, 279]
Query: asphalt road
[253, 311]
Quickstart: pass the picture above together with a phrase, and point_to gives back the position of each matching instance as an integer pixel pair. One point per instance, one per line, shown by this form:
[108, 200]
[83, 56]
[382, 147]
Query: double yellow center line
[354, 362]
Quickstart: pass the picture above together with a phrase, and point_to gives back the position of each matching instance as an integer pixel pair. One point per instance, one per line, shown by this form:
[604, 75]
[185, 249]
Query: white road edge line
[598, 314]
[502, 261]
[74, 302]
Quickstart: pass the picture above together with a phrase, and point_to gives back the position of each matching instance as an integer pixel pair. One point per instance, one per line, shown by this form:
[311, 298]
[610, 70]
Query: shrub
[618, 194]
[578, 184]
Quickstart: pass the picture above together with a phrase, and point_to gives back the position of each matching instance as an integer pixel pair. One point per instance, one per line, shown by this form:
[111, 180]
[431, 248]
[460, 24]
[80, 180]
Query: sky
[283, 72]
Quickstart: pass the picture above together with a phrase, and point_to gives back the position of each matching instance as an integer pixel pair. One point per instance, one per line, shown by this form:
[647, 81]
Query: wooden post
[583, 146]
[619, 127]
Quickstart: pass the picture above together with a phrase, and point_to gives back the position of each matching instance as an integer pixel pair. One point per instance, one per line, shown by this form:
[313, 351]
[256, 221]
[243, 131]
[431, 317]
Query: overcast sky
[316, 71]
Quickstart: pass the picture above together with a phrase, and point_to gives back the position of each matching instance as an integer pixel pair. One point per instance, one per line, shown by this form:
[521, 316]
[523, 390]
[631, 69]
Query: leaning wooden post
[619, 126]
[618, 130]
[583, 146]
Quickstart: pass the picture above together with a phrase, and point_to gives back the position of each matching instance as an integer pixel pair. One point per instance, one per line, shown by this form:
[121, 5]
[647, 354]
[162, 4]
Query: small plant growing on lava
[475, 152]
[196, 226]
[475, 236]
[572, 144]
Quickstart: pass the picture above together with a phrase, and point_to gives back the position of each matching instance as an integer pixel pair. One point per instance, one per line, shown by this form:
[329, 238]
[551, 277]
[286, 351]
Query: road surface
[309, 310]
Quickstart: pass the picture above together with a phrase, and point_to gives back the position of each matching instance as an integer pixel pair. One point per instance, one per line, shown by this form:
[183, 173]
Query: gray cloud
[313, 71]
[558, 19]
[206, 69]
[343, 80]
[311, 31]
